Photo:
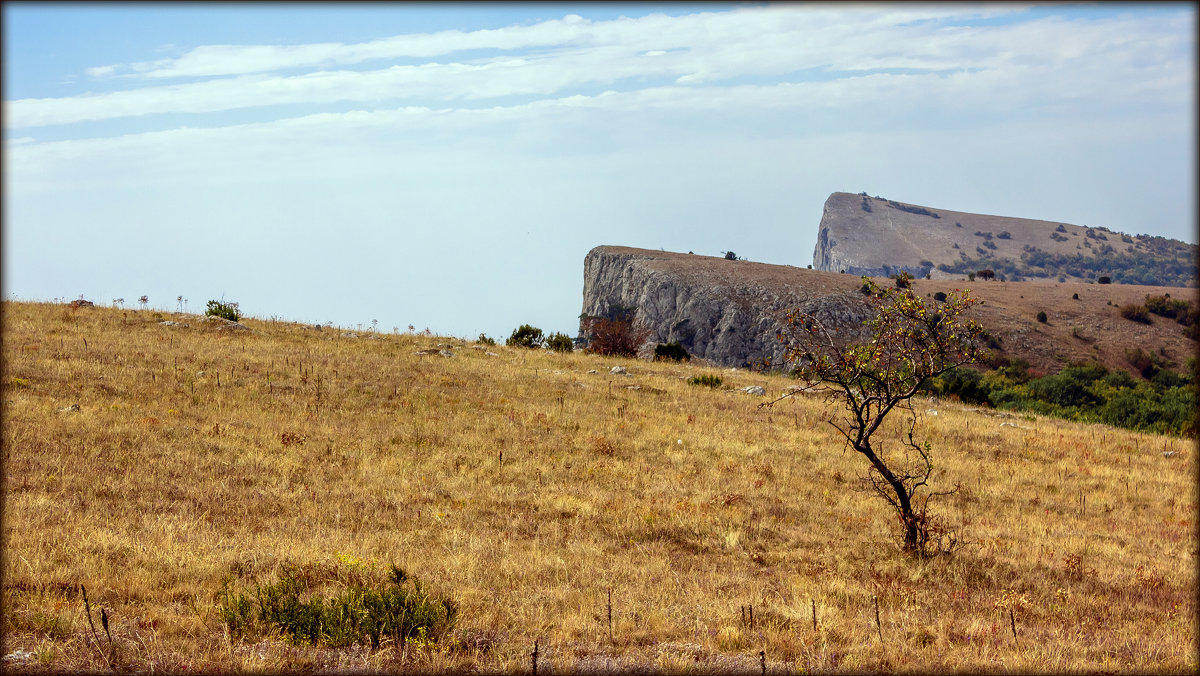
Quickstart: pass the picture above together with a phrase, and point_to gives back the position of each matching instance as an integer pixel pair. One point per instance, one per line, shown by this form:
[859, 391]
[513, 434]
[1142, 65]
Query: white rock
[69, 409]
[619, 371]
[756, 390]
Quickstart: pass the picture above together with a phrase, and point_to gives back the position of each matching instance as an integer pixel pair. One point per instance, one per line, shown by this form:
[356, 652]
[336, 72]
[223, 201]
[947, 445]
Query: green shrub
[1104, 279]
[363, 609]
[484, 340]
[1075, 296]
[705, 380]
[1134, 313]
[228, 311]
[671, 351]
[1041, 317]
[1166, 306]
[525, 336]
[940, 296]
[560, 342]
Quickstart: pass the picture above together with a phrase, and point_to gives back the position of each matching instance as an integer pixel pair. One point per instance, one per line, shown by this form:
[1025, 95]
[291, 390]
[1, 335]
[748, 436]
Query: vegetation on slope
[1164, 402]
[151, 463]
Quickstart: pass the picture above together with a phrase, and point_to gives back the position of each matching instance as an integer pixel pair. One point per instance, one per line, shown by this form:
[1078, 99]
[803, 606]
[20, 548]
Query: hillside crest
[865, 235]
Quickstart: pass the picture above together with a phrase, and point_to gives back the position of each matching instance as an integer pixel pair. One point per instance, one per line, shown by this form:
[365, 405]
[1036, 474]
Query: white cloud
[1098, 61]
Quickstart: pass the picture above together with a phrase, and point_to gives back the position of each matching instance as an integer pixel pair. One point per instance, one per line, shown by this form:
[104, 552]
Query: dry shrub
[614, 337]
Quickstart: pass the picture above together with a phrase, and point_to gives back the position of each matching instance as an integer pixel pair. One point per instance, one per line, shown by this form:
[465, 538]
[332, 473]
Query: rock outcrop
[863, 235]
[725, 311]
[729, 311]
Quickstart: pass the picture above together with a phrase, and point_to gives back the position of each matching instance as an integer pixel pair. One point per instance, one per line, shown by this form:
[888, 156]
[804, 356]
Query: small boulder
[756, 390]
[619, 371]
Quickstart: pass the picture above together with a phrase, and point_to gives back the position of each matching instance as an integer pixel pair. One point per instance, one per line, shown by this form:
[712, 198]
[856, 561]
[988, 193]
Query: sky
[449, 165]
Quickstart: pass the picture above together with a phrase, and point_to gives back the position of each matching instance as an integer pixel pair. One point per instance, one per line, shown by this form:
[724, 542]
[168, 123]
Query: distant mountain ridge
[864, 235]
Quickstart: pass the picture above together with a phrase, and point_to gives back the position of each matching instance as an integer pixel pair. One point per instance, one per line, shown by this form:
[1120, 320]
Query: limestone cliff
[728, 312]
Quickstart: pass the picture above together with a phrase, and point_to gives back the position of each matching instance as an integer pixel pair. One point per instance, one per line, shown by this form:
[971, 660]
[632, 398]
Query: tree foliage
[525, 336]
[911, 342]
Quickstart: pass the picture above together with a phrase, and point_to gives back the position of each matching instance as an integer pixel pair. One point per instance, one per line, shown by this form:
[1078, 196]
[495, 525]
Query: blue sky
[449, 165]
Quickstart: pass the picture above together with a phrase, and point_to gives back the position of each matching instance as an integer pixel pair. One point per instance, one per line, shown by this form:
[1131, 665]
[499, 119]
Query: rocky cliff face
[728, 312]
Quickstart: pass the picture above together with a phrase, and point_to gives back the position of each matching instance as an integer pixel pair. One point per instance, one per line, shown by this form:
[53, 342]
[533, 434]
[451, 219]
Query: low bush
[484, 340]
[525, 336]
[362, 609]
[228, 311]
[1104, 279]
[940, 296]
[1172, 308]
[1041, 317]
[671, 351]
[560, 342]
[705, 380]
[613, 337]
[1134, 313]
[1163, 403]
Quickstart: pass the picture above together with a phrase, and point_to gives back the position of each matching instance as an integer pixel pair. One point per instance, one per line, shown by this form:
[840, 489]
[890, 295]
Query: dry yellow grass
[688, 503]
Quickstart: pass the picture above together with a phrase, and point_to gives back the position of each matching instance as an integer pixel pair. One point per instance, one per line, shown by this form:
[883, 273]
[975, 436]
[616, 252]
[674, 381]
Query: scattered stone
[491, 354]
[199, 374]
[69, 409]
[1170, 454]
[224, 324]
[82, 303]
[349, 334]
[931, 411]
[634, 387]
[20, 656]
[756, 390]
[619, 371]
[592, 371]
[441, 353]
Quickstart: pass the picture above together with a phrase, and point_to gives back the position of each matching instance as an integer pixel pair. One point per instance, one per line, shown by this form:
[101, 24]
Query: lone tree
[911, 341]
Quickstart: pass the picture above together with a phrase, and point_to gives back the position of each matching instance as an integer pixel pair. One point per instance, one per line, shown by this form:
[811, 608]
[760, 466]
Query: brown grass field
[526, 487]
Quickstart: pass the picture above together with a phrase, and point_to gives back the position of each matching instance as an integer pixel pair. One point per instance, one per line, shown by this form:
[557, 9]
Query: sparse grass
[524, 488]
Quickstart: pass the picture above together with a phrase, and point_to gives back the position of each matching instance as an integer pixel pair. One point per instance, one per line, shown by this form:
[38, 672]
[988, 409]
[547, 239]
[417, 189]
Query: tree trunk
[904, 505]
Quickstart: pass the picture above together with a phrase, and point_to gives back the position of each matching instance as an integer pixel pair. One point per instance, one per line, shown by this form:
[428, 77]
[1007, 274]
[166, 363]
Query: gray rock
[619, 371]
[69, 409]
[756, 390]
[708, 307]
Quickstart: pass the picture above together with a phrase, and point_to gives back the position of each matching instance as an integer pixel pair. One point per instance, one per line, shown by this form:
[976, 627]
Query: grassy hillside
[527, 487]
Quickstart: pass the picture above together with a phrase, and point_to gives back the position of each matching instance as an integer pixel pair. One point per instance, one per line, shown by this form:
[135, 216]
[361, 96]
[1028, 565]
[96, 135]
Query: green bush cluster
[485, 340]
[362, 611]
[1164, 403]
[228, 311]
[525, 336]
[671, 351]
[560, 342]
[705, 380]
